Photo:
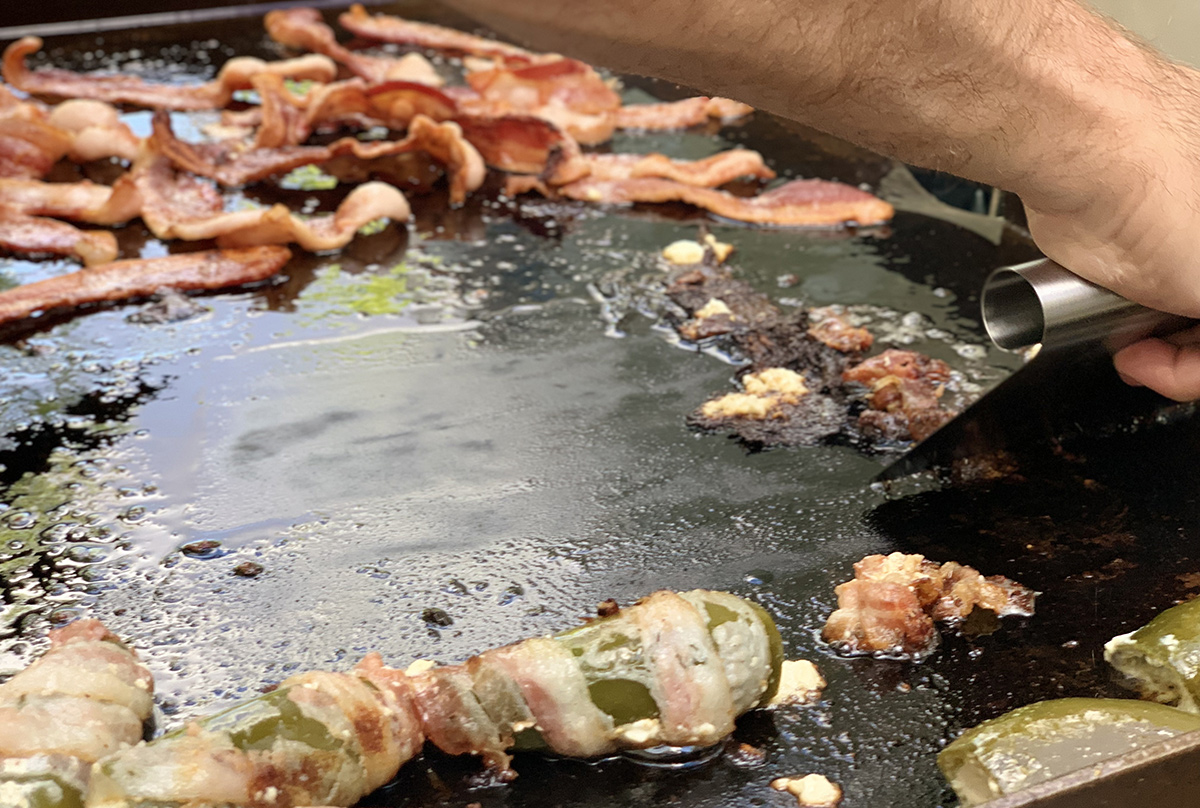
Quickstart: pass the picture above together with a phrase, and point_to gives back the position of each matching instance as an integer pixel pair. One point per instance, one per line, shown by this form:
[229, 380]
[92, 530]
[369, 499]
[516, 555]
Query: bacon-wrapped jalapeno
[318, 739]
[1050, 738]
[674, 669]
[87, 697]
[1162, 658]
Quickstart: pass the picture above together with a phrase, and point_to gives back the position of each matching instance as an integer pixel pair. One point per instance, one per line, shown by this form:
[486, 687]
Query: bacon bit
[679, 114]
[803, 203]
[236, 74]
[905, 364]
[26, 234]
[905, 394]
[830, 327]
[891, 604]
[387, 28]
[123, 280]
[305, 29]
[607, 608]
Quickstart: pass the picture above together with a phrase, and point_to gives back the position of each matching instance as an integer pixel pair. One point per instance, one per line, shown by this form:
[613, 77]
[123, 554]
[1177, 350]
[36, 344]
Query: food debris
[890, 606]
[248, 569]
[419, 666]
[811, 790]
[800, 682]
[684, 251]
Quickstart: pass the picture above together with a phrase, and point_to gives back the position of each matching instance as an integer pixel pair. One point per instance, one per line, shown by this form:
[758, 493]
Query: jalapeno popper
[673, 669]
[86, 698]
[1044, 740]
[1162, 658]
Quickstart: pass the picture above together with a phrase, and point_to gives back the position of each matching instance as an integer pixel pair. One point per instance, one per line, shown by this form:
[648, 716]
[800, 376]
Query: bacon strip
[124, 280]
[305, 29]
[803, 203]
[29, 145]
[234, 163]
[236, 74]
[387, 28]
[96, 131]
[679, 114]
[83, 201]
[566, 92]
[286, 119]
[524, 145]
[710, 172]
[22, 233]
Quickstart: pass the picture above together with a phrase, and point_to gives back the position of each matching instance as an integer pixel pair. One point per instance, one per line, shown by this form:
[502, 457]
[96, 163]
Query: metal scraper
[1069, 386]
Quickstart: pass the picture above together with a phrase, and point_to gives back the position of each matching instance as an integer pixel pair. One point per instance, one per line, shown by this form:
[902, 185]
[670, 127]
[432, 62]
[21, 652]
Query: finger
[1173, 370]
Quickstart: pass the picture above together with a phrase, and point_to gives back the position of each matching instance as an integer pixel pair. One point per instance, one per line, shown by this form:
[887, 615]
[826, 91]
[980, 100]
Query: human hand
[1130, 221]
[1170, 366]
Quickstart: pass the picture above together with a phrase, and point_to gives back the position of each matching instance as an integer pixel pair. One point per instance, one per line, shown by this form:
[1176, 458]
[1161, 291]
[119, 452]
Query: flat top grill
[512, 463]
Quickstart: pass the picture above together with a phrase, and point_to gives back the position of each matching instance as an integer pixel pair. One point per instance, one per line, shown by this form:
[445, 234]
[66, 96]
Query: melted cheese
[738, 405]
[799, 683]
[712, 308]
[720, 249]
[811, 790]
[776, 381]
[684, 251]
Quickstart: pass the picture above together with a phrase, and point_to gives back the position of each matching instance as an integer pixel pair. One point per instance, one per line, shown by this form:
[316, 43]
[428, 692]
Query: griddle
[434, 490]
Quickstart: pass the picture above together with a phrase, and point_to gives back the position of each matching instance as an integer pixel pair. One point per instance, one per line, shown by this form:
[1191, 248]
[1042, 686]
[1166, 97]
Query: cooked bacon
[33, 235]
[83, 201]
[387, 28]
[30, 148]
[692, 692]
[524, 144]
[904, 395]
[830, 327]
[555, 692]
[234, 163]
[286, 119]
[124, 280]
[305, 29]
[709, 172]
[87, 697]
[800, 203]
[236, 74]
[895, 362]
[29, 144]
[679, 114]
[566, 92]
[890, 606]
[96, 131]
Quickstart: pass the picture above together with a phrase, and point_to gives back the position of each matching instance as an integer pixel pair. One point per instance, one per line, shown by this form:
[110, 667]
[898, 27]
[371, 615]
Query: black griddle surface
[514, 462]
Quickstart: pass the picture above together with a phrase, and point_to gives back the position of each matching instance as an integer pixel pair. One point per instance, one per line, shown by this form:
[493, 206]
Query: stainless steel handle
[1042, 302]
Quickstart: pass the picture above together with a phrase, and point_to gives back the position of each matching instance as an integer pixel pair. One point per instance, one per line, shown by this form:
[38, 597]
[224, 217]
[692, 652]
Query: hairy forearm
[1016, 93]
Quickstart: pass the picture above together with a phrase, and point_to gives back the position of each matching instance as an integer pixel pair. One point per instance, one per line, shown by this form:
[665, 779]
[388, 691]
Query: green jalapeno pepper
[1163, 657]
[1050, 738]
